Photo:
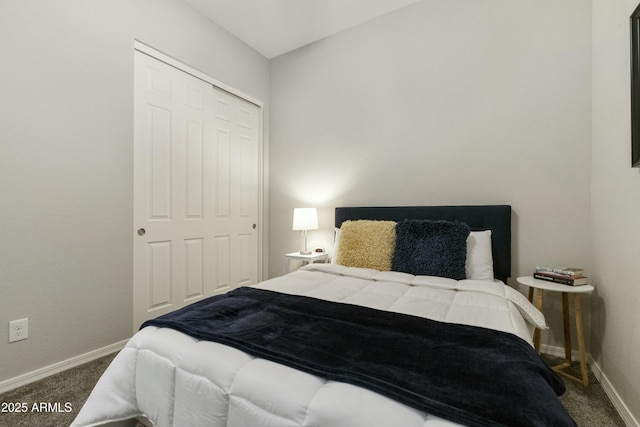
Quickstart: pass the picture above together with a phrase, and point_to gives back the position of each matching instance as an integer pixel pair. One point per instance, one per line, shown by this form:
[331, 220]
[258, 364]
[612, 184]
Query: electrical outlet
[18, 330]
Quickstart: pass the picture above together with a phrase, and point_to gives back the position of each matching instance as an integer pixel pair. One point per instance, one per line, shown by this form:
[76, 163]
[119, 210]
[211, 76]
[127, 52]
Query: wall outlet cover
[18, 330]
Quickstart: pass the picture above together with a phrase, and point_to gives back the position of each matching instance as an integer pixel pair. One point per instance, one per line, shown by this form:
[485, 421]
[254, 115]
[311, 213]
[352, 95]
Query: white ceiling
[274, 27]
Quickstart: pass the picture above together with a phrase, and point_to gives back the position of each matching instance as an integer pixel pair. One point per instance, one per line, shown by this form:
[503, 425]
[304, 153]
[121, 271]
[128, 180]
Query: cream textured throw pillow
[367, 244]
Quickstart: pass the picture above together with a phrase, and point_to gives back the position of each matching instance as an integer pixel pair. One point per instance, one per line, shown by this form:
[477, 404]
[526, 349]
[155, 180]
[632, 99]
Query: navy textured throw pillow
[431, 248]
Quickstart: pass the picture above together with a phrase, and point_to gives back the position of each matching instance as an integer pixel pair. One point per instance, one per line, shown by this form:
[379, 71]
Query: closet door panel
[196, 189]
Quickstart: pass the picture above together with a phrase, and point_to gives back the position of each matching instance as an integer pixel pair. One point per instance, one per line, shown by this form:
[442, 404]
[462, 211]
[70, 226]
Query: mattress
[173, 379]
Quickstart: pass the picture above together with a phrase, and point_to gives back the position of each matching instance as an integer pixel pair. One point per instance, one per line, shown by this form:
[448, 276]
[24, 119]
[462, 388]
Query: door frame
[148, 50]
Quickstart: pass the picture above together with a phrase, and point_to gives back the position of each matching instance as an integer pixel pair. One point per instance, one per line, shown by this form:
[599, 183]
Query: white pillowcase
[479, 256]
[336, 244]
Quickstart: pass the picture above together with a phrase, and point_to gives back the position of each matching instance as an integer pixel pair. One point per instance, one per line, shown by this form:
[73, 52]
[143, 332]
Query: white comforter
[175, 380]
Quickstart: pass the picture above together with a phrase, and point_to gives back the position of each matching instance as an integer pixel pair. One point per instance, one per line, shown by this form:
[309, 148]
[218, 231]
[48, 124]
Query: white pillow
[336, 244]
[479, 257]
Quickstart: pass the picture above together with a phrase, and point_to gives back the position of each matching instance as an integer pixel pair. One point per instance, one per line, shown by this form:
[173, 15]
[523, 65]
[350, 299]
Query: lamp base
[304, 251]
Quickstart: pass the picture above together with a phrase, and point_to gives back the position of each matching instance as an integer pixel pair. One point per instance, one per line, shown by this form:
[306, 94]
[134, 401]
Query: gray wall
[615, 207]
[443, 102]
[66, 129]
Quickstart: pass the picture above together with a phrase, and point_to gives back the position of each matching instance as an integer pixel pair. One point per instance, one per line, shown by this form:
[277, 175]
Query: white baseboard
[38, 374]
[559, 352]
[616, 400]
[608, 388]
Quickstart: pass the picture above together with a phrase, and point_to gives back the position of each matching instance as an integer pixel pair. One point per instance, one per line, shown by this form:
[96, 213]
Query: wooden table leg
[538, 304]
[567, 328]
[577, 305]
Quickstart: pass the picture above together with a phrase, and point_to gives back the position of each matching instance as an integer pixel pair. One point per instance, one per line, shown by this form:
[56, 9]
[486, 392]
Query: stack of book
[566, 276]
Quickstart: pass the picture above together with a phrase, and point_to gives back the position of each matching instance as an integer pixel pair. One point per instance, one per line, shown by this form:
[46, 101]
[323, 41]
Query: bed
[432, 337]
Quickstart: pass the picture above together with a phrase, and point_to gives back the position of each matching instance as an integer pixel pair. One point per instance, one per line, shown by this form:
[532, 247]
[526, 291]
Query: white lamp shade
[305, 219]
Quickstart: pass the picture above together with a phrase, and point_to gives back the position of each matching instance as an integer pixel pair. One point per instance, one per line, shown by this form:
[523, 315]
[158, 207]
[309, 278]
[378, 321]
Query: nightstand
[576, 292]
[309, 259]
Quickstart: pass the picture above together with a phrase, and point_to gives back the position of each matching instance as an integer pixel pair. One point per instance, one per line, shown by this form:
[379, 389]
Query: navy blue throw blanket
[469, 375]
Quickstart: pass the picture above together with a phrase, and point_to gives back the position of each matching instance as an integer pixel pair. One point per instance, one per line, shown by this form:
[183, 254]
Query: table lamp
[305, 219]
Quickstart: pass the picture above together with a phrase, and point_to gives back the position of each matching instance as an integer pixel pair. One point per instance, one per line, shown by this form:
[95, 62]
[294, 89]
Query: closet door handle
[141, 231]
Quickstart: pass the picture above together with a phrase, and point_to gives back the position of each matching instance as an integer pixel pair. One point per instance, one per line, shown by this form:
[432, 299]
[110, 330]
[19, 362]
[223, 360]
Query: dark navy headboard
[496, 218]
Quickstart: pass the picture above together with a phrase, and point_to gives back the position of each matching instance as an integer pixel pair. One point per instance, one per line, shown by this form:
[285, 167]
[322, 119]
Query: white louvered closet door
[196, 189]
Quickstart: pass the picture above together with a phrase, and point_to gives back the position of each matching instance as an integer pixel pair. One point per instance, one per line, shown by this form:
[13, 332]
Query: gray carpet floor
[589, 406]
[71, 386]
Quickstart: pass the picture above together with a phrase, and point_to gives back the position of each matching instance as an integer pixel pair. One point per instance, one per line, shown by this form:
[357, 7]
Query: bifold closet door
[196, 189]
